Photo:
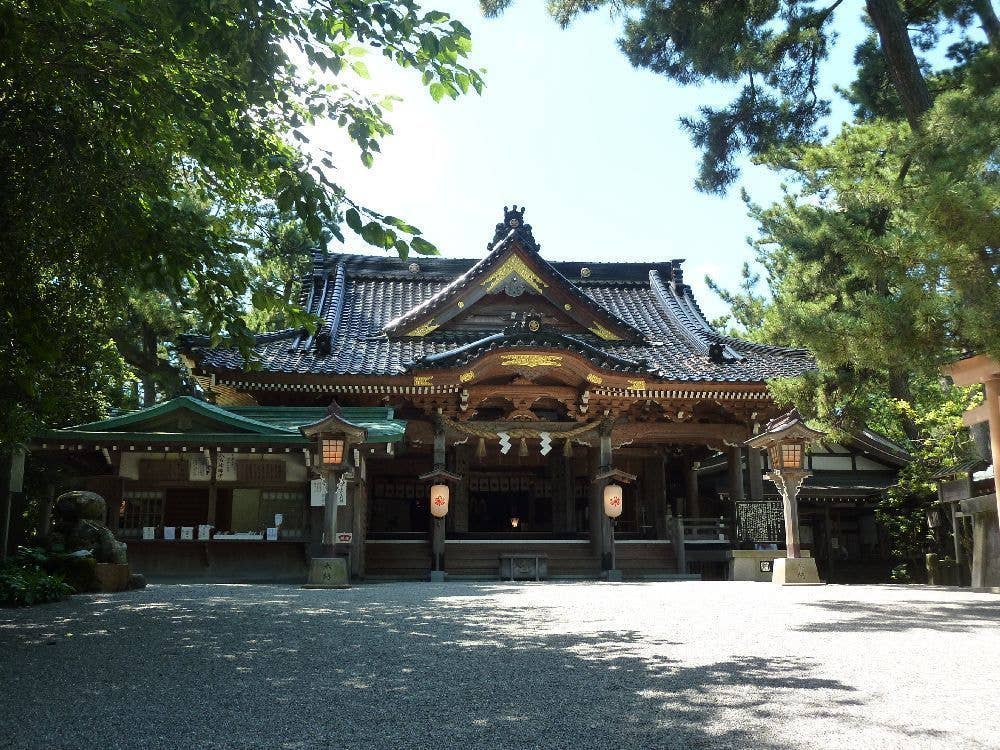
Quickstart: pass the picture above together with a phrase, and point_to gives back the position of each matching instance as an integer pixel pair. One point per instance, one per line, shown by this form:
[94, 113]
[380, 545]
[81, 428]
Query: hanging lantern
[481, 449]
[440, 494]
[515, 522]
[523, 450]
[613, 500]
[568, 448]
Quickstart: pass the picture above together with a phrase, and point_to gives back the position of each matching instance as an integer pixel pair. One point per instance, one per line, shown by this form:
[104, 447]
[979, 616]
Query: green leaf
[438, 91]
[373, 234]
[423, 247]
[353, 219]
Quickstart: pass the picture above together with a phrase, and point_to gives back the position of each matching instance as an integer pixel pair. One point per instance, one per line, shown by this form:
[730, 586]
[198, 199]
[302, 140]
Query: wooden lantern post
[786, 439]
[613, 479]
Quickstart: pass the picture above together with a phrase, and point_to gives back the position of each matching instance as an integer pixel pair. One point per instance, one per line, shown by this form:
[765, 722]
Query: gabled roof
[359, 299]
[185, 419]
[513, 264]
[135, 420]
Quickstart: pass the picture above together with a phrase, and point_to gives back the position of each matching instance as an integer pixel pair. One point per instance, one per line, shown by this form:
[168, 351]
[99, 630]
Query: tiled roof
[229, 424]
[356, 296]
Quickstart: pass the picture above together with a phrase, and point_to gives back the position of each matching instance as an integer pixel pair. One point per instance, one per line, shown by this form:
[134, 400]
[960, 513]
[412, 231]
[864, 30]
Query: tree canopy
[143, 143]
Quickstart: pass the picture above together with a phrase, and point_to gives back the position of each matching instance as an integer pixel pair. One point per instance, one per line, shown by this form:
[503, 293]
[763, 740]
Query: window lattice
[291, 505]
[140, 508]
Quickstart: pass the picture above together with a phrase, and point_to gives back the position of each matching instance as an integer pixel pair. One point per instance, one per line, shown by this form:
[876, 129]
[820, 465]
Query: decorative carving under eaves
[514, 266]
[531, 360]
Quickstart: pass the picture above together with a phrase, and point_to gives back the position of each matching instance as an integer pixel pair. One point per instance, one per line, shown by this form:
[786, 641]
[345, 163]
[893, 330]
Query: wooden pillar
[654, 490]
[330, 515]
[359, 530]
[595, 509]
[600, 524]
[568, 491]
[556, 470]
[460, 501]
[692, 500]
[755, 466]
[828, 533]
[212, 488]
[734, 469]
[438, 524]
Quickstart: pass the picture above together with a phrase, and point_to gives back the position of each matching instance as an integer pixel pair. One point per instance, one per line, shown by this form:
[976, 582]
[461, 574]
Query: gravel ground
[575, 665]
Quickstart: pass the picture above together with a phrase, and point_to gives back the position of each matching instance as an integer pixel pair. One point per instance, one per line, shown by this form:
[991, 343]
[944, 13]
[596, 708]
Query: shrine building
[522, 386]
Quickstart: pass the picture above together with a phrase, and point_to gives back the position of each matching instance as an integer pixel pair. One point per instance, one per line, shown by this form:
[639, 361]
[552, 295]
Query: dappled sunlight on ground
[644, 665]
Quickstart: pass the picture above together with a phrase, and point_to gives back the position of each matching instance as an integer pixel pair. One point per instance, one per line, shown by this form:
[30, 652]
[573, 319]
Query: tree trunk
[149, 353]
[989, 21]
[899, 387]
[890, 22]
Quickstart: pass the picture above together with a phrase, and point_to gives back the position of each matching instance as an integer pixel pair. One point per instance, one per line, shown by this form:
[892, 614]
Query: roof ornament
[323, 343]
[524, 322]
[717, 355]
[513, 223]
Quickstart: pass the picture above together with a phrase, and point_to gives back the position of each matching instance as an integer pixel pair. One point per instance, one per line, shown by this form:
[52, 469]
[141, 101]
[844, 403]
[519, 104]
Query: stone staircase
[467, 559]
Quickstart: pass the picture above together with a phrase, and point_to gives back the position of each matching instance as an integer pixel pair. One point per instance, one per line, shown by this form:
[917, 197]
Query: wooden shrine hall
[518, 387]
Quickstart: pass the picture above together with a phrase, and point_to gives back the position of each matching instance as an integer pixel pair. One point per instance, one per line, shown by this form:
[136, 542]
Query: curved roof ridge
[663, 295]
[521, 339]
[196, 405]
[789, 351]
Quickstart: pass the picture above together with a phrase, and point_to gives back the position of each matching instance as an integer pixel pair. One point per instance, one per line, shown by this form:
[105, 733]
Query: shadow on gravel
[271, 667]
[899, 616]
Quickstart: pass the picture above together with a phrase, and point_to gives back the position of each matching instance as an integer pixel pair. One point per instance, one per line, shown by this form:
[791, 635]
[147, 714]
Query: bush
[23, 582]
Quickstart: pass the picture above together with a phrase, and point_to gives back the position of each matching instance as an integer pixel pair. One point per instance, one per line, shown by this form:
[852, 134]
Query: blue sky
[566, 127]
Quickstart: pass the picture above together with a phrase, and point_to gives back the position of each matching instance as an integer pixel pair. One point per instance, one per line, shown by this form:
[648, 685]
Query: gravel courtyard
[575, 665]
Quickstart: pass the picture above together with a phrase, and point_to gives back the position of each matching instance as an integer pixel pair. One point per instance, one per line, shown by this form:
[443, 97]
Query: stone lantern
[333, 435]
[785, 439]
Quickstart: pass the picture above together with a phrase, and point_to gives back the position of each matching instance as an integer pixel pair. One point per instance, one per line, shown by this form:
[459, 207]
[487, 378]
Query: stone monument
[78, 527]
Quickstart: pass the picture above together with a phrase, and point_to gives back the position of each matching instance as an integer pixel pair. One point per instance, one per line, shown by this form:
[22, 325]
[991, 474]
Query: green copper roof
[188, 419]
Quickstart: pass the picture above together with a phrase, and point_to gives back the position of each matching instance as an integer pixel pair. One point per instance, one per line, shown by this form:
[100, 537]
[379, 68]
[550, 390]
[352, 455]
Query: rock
[136, 581]
[113, 576]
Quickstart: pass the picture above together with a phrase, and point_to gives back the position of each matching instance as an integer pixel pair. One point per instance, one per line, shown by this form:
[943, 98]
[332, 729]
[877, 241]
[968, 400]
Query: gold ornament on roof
[603, 332]
[637, 385]
[466, 377]
[423, 380]
[424, 329]
[514, 265]
[594, 378]
[530, 360]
